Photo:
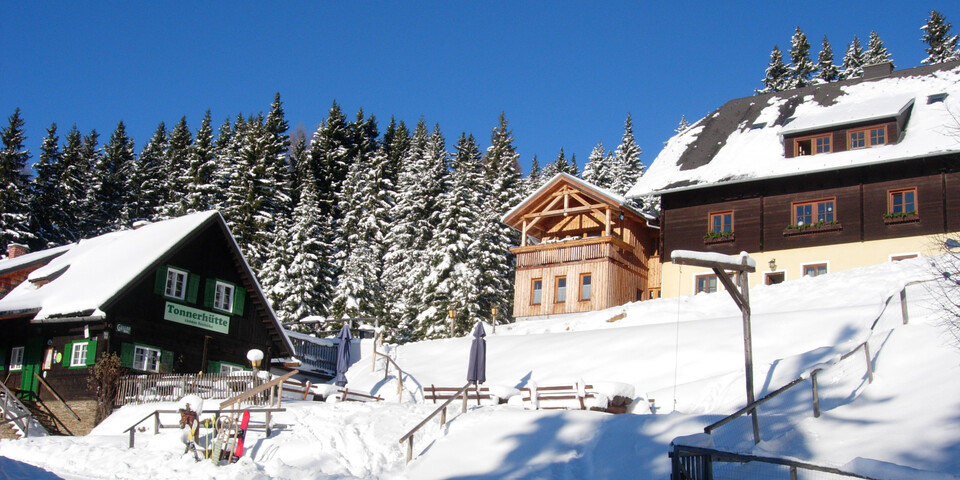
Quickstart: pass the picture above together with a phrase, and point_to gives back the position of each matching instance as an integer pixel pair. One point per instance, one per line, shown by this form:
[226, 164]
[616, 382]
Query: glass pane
[908, 202]
[561, 290]
[537, 291]
[585, 288]
[717, 228]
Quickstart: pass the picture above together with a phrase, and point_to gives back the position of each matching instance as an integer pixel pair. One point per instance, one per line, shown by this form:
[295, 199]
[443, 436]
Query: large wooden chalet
[173, 296]
[582, 248]
[816, 179]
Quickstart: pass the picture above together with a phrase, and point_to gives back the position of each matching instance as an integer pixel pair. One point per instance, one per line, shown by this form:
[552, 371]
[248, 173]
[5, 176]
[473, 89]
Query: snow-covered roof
[88, 275]
[17, 263]
[743, 139]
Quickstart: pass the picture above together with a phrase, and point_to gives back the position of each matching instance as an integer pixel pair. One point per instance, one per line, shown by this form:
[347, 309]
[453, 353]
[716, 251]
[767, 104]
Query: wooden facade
[762, 209]
[141, 320]
[590, 251]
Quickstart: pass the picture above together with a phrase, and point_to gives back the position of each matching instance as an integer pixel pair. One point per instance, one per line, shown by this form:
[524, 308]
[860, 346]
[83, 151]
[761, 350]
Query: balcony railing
[606, 247]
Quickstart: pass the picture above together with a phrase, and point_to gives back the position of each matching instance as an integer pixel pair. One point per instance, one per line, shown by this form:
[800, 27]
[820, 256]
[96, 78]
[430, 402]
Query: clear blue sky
[565, 73]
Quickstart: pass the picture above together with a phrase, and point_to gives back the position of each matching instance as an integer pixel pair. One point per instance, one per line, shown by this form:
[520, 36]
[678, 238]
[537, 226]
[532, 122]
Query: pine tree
[876, 52]
[45, 193]
[91, 223]
[109, 193]
[151, 180]
[14, 184]
[329, 158]
[74, 180]
[777, 78]
[941, 45]
[684, 124]
[801, 68]
[826, 70]
[627, 167]
[853, 61]
[201, 185]
[599, 167]
[176, 171]
[534, 179]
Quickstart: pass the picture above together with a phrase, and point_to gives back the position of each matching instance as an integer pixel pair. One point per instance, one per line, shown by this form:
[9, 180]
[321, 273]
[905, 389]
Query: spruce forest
[344, 223]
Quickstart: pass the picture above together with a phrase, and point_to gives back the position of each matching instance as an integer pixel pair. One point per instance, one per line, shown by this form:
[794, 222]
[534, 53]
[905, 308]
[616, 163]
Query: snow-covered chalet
[172, 296]
[813, 180]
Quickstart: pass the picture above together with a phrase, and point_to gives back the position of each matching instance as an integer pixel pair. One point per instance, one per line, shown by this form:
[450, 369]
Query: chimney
[877, 70]
[15, 250]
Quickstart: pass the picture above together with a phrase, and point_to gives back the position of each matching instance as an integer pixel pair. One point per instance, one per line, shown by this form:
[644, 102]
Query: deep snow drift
[685, 354]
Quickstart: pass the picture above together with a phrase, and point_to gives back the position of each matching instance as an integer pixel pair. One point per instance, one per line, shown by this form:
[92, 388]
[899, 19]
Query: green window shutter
[239, 297]
[67, 353]
[213, 367]
[209, 291]
[166, 361]
[126, 355]
[160, 283]
[193, 284]
[91, 352]
[3, 359]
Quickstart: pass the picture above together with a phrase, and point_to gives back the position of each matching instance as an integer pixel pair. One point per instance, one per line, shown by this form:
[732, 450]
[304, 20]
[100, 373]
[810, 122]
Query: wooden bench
[557, 393]
[435, 393]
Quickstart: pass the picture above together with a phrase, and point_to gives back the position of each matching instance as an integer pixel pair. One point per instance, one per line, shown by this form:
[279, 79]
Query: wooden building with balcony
[582, 248]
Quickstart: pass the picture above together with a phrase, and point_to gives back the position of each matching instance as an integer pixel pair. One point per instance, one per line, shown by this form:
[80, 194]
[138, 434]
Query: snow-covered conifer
[853, 61]
[777, 77]
[876, 52]
[627, 167]
[826, 70]
[941, 45]
[801, 68]
[14, 184]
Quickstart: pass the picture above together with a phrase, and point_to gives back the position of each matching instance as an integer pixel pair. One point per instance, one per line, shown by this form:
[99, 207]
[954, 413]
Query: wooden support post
[268, 423]
[816, 393]
[523, 234]
[399, 387]
[866, 351]
[132, 431]
[409, 448]
[903, 306]
[443, 416]
[609, 227]
[156, 423]
[464, 409]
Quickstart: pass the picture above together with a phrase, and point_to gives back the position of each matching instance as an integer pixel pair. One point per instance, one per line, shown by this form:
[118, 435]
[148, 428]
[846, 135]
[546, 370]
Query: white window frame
[176, 278]
[142, 359]
[223, 296]
[16, 358]
[78, 354]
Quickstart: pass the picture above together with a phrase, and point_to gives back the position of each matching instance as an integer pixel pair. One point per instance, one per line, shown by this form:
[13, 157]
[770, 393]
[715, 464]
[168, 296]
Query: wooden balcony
[583, 249]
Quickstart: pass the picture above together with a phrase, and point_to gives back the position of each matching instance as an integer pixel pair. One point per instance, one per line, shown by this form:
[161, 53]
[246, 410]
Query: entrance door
[32, 357]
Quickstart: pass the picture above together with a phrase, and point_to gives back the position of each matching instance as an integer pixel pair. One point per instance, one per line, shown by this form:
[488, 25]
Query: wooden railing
[57, 396]
[137, 389]
[253, 396]
[157, 425]
[321, 357]
[378, 340]
[13, 411]
[442, 410]
[575, 251]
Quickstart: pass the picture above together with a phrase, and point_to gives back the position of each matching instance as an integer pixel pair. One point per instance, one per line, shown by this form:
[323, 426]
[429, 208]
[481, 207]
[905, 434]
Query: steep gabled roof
[514, 217]
[743, 139]
[31, 259]
[94, 273]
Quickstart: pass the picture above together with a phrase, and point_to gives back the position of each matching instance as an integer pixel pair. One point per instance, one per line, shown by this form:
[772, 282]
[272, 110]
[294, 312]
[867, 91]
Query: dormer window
[812, 145]
[868, 137]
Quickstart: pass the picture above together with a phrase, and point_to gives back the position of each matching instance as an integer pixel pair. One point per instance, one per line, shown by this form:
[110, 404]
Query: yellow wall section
[679, 281]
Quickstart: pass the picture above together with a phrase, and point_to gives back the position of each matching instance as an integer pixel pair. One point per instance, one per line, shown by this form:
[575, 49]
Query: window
[814, 269]
[16, 358]
[902, 201]
[78, 354]
[813, 212]
[223, 297]
[146, 359]
[226, 368]
[537, 291]
[868, 137]
[176, 286]
[721, 222]
[706, 283]
[812, 145]
[585, 286]
[560, 290]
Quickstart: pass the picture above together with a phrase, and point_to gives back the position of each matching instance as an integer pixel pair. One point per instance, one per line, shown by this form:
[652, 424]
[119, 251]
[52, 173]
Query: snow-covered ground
[683, 354]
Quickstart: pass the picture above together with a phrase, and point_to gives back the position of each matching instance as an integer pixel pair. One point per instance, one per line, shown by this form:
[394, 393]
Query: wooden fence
[138, 389]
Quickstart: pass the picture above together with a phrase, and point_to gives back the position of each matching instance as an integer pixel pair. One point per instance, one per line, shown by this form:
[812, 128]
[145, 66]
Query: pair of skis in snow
[229, 433]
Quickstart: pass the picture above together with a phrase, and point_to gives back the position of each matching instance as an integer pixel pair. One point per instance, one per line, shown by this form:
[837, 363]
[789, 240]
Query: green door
[32, 356]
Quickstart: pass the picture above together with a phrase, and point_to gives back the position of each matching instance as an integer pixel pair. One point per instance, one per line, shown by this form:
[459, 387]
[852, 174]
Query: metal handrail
[442, 409]
[10, 400]
[256, 390]
[865, 345]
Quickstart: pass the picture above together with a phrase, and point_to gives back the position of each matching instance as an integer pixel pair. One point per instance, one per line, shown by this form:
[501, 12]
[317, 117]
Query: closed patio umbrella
[343, 356]
[477, 369]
